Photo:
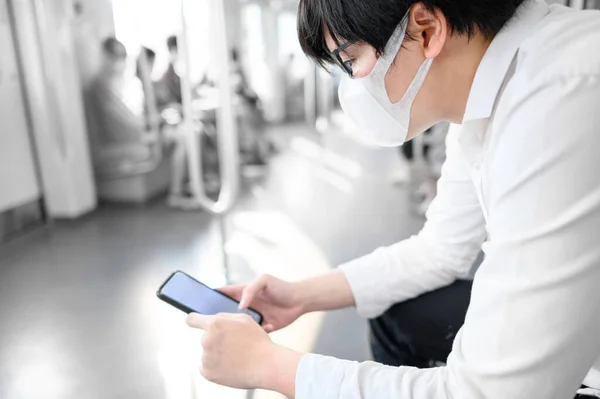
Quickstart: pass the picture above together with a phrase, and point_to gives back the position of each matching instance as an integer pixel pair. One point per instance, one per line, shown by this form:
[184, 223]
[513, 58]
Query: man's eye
[349, 63]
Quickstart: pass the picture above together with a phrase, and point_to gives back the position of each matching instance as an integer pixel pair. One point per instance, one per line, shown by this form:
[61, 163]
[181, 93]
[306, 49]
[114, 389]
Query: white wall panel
[54, 95]
[18, 181]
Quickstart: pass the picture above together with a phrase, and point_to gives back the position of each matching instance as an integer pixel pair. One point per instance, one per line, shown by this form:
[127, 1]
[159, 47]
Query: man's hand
[281, 303]
[238, 353]
[278, 301]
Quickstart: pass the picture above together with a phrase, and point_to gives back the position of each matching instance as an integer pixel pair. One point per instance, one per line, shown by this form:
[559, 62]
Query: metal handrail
[227, 138]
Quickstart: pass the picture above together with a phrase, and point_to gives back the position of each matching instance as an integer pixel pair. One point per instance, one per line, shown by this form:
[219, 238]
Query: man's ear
[428, 27]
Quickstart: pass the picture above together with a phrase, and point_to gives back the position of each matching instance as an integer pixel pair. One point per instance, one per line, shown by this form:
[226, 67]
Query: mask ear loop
[416, 84]
[392, 48]
[384, 63]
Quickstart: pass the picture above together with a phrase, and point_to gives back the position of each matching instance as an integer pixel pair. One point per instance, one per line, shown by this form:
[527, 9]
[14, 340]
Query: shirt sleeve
[442, 252]
[533, 326]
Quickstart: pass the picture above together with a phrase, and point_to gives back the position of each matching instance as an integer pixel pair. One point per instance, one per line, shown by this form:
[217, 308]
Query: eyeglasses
[345, 65]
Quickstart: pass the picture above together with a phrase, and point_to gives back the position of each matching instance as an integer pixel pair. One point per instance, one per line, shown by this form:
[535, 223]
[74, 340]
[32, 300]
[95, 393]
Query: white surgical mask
[367, 103]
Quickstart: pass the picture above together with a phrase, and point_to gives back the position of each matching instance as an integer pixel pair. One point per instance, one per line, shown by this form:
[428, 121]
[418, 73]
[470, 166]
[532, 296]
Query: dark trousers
[420, 332]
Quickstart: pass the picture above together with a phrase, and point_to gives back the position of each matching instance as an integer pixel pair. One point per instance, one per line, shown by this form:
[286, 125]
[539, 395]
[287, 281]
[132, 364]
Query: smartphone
[191, 296]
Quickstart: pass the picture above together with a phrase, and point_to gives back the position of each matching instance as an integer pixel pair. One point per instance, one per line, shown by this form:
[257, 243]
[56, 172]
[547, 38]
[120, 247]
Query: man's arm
[327, 292]
[533, 326]
[442, 252]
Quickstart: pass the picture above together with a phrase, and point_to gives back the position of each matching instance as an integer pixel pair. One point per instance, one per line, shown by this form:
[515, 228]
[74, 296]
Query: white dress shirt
[522, 179]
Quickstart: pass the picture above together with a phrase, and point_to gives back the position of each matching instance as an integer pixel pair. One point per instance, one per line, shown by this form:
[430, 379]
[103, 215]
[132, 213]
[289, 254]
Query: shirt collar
[498, 58]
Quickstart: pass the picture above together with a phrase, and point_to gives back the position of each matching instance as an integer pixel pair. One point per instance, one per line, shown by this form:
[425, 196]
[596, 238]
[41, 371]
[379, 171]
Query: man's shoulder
[565, 44]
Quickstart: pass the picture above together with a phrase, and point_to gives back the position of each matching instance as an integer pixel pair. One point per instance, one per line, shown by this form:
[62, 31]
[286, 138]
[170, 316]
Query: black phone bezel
[184, 308]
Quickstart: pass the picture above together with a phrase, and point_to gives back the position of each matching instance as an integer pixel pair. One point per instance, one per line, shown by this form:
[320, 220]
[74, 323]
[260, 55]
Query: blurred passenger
[173, 132]
[241, 85]
[144, 72]
[119, 129]
[126, 127]
[169, 85]
[255, 146]
[169, 97]
[150, 59]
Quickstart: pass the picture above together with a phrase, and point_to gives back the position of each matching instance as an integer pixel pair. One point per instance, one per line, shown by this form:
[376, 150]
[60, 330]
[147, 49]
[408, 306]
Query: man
[144, 68]
[169, 85]
[522, 79]
[116, 104]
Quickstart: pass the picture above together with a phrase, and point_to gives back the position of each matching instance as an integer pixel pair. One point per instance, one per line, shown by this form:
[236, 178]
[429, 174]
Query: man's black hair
[172, 43]
[150, 54]
[114, 48]
[235, 55]
[374, 21]
[150, 59]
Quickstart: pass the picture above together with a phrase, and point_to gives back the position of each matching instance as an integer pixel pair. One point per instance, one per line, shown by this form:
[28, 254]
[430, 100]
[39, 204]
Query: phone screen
[190, 295]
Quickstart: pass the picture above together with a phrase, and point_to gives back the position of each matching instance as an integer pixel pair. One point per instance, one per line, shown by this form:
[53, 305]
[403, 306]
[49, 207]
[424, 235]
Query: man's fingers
[251, 290]
[233, 291]
[199, 321]
[231, 316]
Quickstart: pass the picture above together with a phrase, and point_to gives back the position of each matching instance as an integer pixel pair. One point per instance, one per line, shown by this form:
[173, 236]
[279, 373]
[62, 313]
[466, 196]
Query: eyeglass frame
[336, 56]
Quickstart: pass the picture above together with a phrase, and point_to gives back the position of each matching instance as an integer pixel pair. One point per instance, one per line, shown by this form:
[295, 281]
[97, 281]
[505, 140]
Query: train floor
[79, 318]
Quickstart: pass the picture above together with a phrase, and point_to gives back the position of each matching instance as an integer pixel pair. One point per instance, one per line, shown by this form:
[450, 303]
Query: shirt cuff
[368, 289]
[320, 377]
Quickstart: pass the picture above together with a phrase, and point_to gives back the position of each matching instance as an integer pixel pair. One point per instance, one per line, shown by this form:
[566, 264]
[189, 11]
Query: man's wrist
[280, 371]
[327, 292]
[303, 296]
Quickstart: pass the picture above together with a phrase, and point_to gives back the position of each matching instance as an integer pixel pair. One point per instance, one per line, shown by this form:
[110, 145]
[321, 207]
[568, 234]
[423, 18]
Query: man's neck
[461, 60]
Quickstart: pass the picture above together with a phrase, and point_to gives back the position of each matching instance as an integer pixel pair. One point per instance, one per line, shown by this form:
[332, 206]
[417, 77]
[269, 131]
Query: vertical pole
[578, 4]
[227, 134]
[183, 48]
[193, 138]
[223, 229]
[193, 141]
[227, 139]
